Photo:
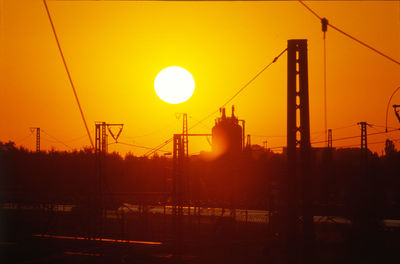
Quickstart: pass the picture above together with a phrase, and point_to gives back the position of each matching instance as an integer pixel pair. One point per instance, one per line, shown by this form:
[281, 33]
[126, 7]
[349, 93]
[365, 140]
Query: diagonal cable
[56, 139]
[68, 73]
[350, 36]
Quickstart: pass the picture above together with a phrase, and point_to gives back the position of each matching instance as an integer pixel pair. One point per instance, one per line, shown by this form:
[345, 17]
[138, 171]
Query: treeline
[70, 177]
[255, 179]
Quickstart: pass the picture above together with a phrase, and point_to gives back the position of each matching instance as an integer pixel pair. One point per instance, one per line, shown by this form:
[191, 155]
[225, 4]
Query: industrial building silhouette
[227, 134]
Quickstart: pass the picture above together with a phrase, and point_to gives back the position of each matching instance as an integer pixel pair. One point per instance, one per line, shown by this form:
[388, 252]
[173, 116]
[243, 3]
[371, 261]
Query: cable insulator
[324, 24]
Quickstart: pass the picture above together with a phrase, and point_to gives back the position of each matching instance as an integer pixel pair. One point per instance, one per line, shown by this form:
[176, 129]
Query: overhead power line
[155, 149]
[241, 89]
[255, 77]
[158, 130]
[350, 137]
[313, 132]
[346, 138]
[20, 140]
[348, 35]
[369, 143]
[56, 139]
[138, 146]
[68, 72]
[309, 9]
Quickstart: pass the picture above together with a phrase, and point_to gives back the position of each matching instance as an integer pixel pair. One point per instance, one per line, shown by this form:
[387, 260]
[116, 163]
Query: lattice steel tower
[101, 148]
[330, 145]
[364, 149]
[37, 129]
[185, 136]
[38, 139]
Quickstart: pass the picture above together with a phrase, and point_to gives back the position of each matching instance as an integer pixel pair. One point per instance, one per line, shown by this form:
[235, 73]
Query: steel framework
[38, 139]
[364, 149]
[37, 129]
[100, 151]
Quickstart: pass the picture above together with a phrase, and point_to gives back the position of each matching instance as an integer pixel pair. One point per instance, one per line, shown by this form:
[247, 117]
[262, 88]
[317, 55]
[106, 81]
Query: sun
[174, 85]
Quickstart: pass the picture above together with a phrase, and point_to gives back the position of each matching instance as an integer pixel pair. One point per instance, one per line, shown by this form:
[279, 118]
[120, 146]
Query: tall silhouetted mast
[101, 147]
[37, 137]
[330, 145]
[298, 141]
[185, 136]
[364, 149]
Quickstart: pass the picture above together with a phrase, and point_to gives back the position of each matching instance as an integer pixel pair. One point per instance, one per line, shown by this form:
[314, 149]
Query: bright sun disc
[174, 85]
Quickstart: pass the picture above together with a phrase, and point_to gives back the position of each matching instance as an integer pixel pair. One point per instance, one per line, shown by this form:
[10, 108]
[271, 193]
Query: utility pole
[185, 136]
[100, 152]
[37, 137]
[299, 166]
[363, 135]
[101, 148]
[363, 149]
[330, 138]
[185, 160]
[177, 191]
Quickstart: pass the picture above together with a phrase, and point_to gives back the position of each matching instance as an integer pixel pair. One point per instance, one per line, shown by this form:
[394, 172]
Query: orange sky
[115, 49]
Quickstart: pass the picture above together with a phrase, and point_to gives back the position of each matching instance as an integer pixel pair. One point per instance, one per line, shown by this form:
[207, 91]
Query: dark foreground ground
[47, 250]
[37, 237]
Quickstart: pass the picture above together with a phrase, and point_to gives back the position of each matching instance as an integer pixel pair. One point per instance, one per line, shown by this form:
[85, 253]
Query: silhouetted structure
[227, 134]
[148, 208]
[299, 179]
[330, 138]
[364, 149]
[248, 142]
[96, 197]
[37, 137]
[185, 136]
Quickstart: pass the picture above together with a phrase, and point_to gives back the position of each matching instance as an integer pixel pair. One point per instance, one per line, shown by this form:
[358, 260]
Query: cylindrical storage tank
[226, 135]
